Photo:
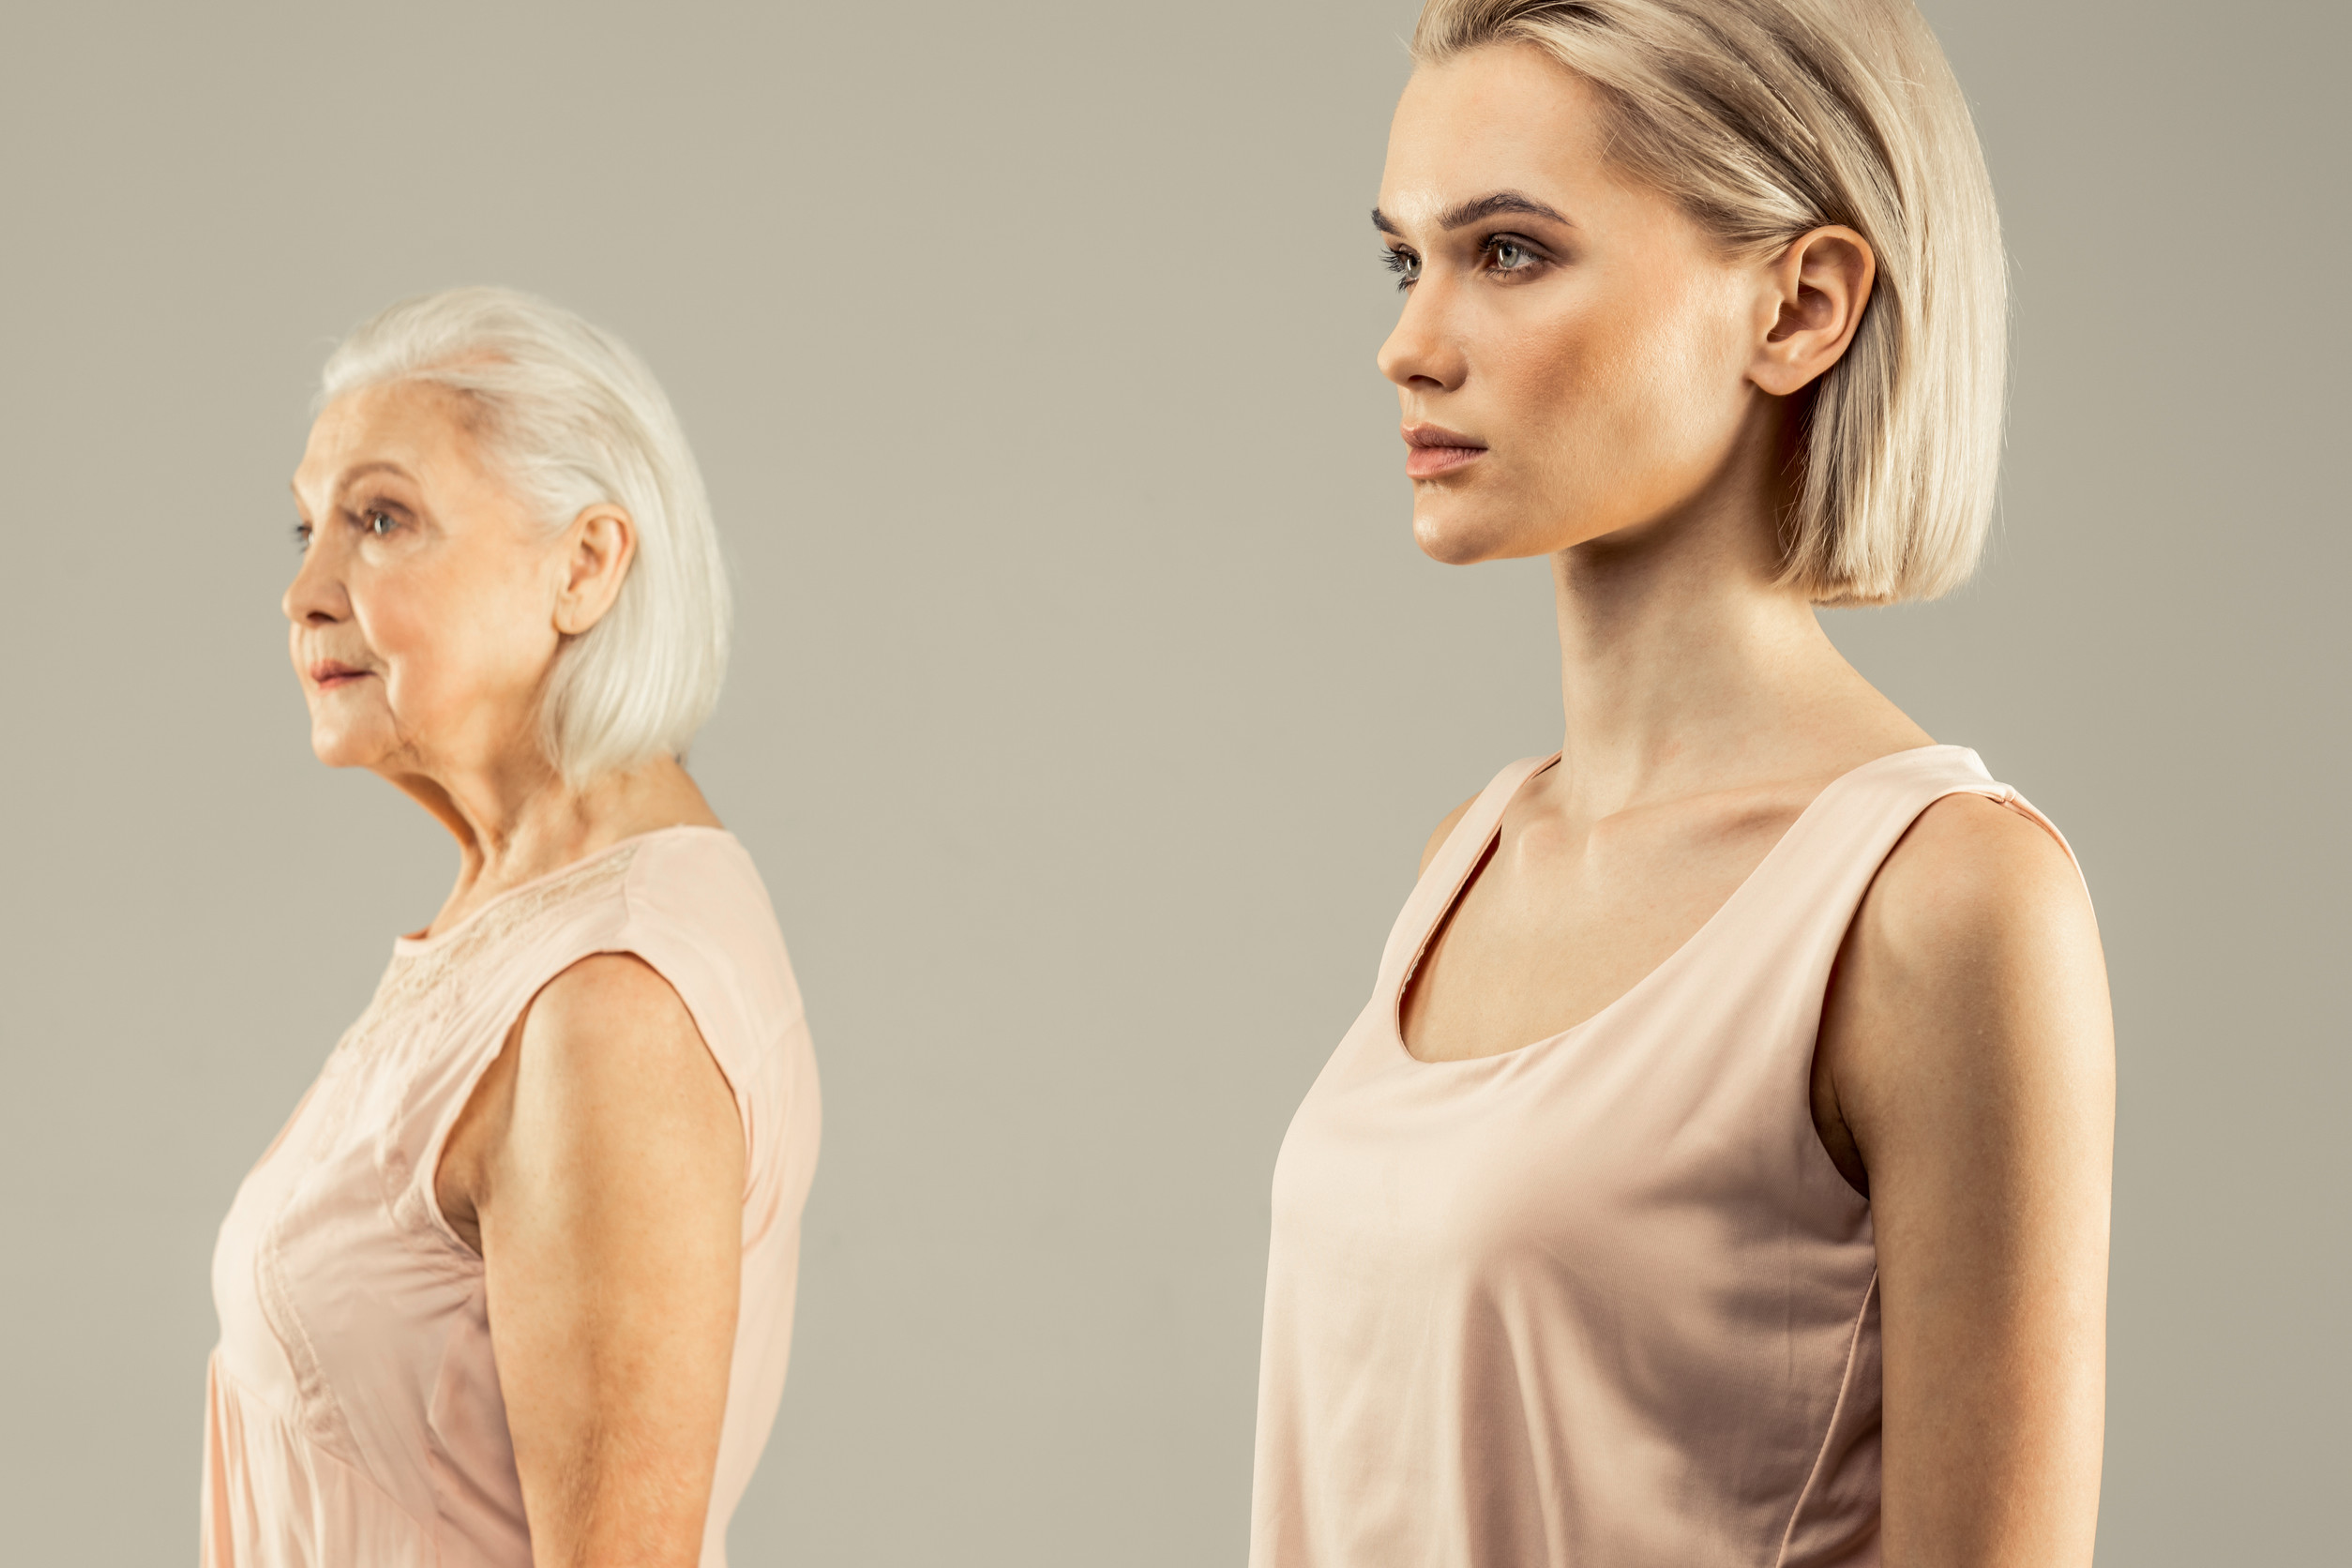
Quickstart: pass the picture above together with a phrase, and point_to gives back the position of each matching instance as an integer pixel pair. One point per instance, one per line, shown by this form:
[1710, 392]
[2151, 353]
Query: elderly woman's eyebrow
[361, 471]
[1476, 209]
[352, 476]
[339, 486]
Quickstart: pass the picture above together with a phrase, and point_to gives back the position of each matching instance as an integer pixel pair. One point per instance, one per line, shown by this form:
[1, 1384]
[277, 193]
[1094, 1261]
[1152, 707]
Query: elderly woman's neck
[518, 823]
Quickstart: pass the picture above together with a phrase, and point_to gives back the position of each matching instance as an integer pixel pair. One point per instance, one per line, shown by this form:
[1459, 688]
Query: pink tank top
[353, 1416]
[1604, 1301]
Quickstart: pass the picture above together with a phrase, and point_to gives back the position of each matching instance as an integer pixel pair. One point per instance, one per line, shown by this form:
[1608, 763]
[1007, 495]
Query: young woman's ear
[1816, 290]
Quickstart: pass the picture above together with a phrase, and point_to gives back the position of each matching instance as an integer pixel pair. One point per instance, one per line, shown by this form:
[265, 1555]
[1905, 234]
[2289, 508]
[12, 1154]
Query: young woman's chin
[1457, 535]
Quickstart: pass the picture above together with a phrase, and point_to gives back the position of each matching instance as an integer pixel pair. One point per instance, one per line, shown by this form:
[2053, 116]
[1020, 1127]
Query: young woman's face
[421, 619]
[1572, 355]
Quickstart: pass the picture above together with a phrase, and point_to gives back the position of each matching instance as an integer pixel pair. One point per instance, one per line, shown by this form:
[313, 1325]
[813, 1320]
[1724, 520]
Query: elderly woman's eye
[301, 532]
[378, 523]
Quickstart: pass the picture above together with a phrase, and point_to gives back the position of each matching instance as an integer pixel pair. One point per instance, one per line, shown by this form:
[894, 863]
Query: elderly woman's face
[424, 613]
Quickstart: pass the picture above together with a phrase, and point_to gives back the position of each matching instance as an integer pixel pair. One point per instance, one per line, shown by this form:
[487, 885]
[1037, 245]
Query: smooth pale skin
[1636, 390]
[599, 1166]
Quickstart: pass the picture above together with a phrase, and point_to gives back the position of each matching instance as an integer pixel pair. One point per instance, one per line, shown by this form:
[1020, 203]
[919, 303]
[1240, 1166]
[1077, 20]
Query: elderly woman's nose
[316, 593]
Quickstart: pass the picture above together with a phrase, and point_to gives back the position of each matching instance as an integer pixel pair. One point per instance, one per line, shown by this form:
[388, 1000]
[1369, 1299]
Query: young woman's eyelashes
[1512, 254]
[1504, 255]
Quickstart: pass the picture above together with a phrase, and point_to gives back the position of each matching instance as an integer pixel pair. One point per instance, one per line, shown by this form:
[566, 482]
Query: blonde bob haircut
[1768, 118]
[572, 419]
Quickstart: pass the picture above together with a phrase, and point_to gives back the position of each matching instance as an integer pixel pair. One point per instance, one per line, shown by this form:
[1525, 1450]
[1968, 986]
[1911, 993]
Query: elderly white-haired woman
[515, 1284]
[1719, 1173]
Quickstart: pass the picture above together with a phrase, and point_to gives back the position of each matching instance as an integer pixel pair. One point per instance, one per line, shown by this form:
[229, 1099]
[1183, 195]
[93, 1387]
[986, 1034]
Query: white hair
[1769, 118]
[573, 419]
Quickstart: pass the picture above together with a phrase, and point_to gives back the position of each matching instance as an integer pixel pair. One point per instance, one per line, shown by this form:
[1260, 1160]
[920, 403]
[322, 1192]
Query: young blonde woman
[1719, 1173]
[515, 1285]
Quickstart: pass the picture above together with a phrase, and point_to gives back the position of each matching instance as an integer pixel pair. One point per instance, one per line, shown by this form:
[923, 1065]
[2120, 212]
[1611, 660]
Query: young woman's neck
[1686, 668]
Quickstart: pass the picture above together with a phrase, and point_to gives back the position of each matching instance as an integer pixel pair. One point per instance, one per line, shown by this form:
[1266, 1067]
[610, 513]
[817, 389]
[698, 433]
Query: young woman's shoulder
[1975, 880]
[1969, 1004]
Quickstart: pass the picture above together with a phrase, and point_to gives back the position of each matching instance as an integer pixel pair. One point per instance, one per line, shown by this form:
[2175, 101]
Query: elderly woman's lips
[335, 675]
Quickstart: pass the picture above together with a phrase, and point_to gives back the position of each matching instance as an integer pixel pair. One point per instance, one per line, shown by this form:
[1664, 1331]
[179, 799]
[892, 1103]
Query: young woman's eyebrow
[1475, 209]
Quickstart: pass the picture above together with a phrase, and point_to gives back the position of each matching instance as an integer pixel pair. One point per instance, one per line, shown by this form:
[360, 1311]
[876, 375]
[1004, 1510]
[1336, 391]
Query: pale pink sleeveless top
[1604, 1301]
[355, 1418]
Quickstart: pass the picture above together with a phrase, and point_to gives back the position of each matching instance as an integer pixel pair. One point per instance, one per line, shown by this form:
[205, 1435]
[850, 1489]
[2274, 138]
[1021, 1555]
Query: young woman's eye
[1404, 264]
[1508, 255]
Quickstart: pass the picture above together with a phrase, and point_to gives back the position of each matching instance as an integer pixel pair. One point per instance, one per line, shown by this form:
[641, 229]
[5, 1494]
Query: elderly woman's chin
[348, 741]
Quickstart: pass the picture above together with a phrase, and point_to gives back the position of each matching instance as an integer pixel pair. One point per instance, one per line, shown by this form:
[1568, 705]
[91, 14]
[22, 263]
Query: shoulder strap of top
[1872, 806]
[1455, 859]
[1792, 916]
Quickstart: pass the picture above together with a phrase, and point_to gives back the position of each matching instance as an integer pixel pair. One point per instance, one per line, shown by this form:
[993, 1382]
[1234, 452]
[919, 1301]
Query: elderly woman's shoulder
[697, 909]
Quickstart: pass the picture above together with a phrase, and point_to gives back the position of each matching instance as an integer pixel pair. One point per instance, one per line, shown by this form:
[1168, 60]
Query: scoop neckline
[1394, 1012]
[409, 944]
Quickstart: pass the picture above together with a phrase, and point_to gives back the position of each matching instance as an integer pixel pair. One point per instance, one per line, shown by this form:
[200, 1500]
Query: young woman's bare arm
[601, 1167]
[1967, 1067]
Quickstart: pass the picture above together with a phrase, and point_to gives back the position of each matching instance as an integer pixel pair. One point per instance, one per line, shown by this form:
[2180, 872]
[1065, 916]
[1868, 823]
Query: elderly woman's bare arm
[601, 1167]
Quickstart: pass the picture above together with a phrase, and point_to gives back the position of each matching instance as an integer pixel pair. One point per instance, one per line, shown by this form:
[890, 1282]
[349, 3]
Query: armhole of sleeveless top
[1999, 794]
[684, 963]
[426, 1178]
[667, 952]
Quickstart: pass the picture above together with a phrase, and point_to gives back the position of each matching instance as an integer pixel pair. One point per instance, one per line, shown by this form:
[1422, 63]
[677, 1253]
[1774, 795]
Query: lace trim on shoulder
[413, 975]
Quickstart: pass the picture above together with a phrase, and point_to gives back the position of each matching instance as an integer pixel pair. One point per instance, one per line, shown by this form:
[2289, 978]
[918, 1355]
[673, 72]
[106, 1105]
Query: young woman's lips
[1432, 450]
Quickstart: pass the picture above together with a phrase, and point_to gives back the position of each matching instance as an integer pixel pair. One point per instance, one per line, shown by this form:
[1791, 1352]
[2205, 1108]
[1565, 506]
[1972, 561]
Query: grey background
[1092, 701]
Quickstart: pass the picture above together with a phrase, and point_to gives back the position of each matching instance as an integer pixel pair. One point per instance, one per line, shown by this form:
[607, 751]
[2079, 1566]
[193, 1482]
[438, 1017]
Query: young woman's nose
[1423, 354]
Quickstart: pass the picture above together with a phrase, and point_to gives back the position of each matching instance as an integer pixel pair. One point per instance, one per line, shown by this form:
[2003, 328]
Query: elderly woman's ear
[595, 551]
